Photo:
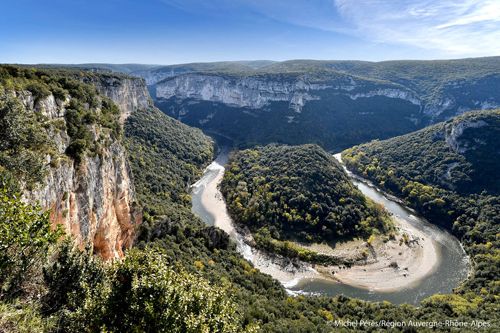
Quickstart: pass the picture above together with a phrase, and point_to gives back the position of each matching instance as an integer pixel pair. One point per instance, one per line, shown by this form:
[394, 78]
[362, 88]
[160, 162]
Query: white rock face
[391, 93]
[255, 93]
[435, 108]
[128, 94]
[455, 131]
[94, 201]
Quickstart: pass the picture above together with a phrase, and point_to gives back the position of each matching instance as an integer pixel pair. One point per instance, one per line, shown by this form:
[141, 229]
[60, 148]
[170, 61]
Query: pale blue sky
[180, 31]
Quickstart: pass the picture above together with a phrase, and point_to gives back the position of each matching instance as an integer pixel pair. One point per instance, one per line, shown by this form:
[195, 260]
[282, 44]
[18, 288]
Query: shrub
[144, 294]
[25, 236]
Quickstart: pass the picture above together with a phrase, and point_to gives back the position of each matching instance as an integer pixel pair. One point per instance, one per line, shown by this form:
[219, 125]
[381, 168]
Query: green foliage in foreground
[25, 236]
[24, 318]
[143, 293]
[298, 193]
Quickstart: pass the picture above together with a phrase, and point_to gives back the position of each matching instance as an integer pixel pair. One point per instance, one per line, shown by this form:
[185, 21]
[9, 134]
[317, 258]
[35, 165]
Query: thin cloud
[455, 28]
[466, 28]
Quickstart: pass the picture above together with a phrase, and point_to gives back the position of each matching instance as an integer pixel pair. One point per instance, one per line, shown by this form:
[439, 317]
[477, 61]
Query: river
[452, 266]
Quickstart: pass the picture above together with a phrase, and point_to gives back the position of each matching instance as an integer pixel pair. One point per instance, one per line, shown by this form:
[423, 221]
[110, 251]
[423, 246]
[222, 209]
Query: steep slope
[209, 253]
[445, 87]
[324, 107]
[297, 193]
[461, 155]
[449, 173]
[70, 158]
[332, 103]
[166, 157]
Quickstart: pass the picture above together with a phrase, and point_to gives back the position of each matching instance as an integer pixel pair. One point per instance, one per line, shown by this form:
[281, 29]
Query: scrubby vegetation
[142, 293]
[25, 236]
[456, 188]
[297, 193]
[23, 140]
[84, 110]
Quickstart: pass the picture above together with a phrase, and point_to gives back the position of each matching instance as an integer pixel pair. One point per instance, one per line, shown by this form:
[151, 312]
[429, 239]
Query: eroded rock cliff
[257, 91]
[94, 199]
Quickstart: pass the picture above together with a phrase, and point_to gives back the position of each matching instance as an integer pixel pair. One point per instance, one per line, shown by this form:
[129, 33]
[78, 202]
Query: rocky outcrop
[255, 92]
[95, 200]
[127, 92]
[156, 75]
[387, 92]
[455, 131]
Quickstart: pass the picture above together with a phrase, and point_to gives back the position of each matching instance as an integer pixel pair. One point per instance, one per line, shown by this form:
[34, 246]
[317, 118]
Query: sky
[182, 31]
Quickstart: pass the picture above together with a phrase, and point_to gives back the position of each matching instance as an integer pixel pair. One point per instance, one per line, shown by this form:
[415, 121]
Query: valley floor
[386, 266]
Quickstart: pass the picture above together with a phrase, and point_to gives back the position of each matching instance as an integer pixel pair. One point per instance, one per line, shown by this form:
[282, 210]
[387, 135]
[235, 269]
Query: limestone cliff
[127, 92]
[257, 91]
[454, 135]
[94, 199]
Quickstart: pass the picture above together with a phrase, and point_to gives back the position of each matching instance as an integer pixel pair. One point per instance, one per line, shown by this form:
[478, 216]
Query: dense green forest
[181, 276]
[448, 172]
[166, 156]
[297, 193]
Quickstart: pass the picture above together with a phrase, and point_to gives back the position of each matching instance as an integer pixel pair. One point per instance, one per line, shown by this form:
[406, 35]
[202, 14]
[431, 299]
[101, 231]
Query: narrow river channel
[451, 269]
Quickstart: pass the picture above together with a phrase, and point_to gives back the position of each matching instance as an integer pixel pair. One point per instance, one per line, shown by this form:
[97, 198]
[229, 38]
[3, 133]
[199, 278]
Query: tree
[144, 294]
[25, 236]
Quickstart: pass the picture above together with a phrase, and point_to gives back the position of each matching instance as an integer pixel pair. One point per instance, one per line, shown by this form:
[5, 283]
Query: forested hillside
[297, 193]
[448, 172]
[166, 156]
[51, 121]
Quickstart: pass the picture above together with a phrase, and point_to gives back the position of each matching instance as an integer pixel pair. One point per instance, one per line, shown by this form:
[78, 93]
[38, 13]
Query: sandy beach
[284, 270]
[213, 201]
[390, 265]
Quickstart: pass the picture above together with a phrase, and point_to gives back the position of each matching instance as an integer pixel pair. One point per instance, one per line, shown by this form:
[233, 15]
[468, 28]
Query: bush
[25, 236]
[39, 90]
[144, 294]
[67, 274]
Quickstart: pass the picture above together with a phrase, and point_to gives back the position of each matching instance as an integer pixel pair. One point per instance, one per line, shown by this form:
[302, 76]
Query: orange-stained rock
[93, 201]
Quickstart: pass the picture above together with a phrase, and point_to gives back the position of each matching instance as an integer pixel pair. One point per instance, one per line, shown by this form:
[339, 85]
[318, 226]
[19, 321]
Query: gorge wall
[330, 109]
[309, 98]
[94, 199]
